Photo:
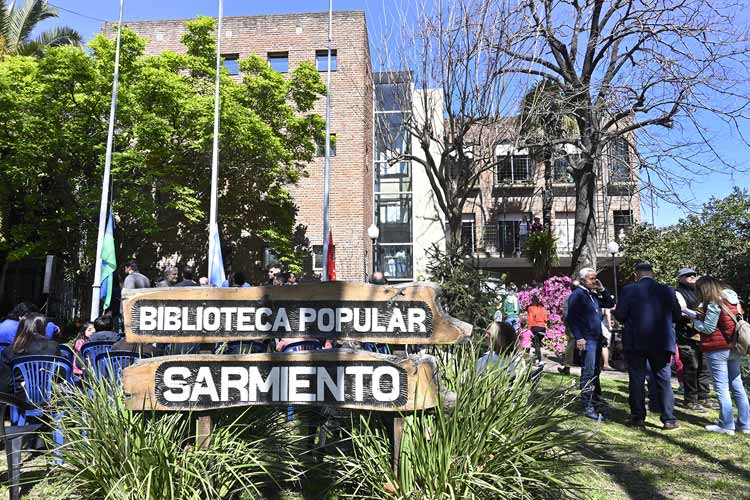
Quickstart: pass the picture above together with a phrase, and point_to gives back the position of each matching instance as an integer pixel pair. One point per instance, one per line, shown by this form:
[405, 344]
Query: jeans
[660, 384]
[725, 370]
[514, 322]
[536, 339]
[696, 377]
[592, 365]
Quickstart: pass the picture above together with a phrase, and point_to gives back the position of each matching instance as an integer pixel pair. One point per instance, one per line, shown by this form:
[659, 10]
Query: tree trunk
[454, 228]
[584, 242]
[547, 194]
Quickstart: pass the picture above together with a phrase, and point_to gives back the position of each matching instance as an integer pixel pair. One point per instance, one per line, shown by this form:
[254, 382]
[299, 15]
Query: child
[84, 334]
[537, 323]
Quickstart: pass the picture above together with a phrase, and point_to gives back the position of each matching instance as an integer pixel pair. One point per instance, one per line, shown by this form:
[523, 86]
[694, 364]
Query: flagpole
[105, 181]
[212, 224]
[327, 166]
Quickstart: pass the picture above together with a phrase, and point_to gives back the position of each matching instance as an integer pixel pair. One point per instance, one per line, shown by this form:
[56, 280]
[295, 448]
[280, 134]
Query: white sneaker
[720, 430]
[745, 431]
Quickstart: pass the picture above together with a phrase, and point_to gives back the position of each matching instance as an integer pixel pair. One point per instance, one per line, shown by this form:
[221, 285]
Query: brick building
[286, 40]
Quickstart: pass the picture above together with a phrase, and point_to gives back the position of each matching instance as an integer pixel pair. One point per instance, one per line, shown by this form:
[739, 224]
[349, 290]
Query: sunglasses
[691, 275]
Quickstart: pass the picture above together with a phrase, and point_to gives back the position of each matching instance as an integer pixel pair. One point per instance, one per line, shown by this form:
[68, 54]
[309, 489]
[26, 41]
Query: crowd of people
[693, 327]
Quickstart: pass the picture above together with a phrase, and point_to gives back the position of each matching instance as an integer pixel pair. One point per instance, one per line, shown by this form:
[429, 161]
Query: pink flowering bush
[552, 294]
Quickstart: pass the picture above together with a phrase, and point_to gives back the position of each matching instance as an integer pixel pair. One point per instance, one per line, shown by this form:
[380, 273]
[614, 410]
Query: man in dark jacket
[648, 311]
[584, 319]
[696, 378]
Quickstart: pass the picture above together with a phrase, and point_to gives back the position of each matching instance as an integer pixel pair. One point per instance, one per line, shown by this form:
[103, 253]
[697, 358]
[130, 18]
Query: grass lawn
[645, 464]
[651, 464]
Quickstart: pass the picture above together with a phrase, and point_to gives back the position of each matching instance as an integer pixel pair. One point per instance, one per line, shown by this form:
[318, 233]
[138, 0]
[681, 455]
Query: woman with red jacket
[537, 323]
[717, 328]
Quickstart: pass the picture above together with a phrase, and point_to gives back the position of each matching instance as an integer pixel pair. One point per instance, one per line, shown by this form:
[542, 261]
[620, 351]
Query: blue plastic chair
[303, 345]
[110, 364]
[373, 347]
[245, 347]
[91, 350]
[3, 345]
[67, 353]
[38, 373]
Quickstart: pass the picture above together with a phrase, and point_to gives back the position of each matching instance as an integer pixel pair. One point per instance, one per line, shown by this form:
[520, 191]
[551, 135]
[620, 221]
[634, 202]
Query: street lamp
[613, 248]
[373, 232]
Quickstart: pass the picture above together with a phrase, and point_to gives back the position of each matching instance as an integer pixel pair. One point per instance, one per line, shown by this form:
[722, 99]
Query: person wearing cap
[584, 318]
[696, 376]
[648, 310]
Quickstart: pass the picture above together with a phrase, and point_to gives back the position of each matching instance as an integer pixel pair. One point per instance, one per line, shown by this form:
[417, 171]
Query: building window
[392, 178]
[468, 233]
[279, 61]
[391, 136]
[317, 261]
[232, 63]
[561, 171]
[394, 214]
[321, 60]
[395, 261]
[623, 221]
[513, 168]
[619, 160]
[320, 147]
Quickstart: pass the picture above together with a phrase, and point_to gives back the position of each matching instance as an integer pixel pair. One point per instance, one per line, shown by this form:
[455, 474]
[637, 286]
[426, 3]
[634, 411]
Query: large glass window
[396, 261]
[321, 60]
[392, 97]
[394, 214]
[619, 160]
[393, 178]
[513, 168]
[279, 61]
[391, 136]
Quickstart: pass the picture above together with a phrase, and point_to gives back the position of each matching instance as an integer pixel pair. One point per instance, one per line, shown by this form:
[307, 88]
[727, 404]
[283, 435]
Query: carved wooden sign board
[338, 311]
[339, 378]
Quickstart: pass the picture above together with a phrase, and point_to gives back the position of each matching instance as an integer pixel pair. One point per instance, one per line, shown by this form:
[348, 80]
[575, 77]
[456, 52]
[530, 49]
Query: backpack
[498, 316]
[740, 341]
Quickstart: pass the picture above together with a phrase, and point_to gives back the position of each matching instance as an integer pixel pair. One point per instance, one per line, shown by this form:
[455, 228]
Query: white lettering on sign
[326, 320]
[281, 384]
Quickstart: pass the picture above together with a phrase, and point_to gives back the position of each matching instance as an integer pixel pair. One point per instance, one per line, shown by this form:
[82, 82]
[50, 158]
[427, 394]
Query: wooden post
[398, 431]
[203, 423]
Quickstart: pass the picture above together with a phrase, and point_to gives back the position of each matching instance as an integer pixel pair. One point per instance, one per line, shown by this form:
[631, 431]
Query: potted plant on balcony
[541, 252]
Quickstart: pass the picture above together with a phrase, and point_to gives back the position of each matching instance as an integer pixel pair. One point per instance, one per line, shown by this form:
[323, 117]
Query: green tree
[714, 241]
[18, 21]
[52, 152]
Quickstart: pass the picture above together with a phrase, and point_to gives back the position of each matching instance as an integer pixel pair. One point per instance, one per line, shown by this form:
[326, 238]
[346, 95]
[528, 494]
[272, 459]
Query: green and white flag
[108, 261]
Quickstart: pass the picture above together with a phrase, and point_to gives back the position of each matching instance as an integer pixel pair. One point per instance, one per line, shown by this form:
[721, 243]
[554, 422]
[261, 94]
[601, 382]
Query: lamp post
[613, 248]
[373, 232]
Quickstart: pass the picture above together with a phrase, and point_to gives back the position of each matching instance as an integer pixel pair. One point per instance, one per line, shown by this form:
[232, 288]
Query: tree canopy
[18, 20]
[55, 111]
[714, 241]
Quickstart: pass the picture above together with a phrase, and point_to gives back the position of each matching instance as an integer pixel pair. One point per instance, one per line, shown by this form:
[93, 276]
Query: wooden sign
[344, 311]
[338, 378]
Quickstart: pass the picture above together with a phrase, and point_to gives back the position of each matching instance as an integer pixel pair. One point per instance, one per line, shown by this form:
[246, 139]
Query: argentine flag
[215, 261]
[108, 261]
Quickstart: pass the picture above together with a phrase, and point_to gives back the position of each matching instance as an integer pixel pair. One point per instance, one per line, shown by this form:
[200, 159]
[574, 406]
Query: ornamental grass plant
[501, 439]
[111, 452]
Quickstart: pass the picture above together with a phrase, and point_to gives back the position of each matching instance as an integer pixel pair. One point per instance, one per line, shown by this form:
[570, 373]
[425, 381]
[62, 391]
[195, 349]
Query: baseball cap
[644, 266]
[685, 270]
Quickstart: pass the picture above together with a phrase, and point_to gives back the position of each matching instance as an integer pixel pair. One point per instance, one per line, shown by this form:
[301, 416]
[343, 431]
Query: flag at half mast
[109, 263]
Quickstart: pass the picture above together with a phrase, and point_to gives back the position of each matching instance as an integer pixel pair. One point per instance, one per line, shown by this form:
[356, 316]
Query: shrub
[541, 252]
[465, 295]
[553, 293]
[502, 440]
[114, 453]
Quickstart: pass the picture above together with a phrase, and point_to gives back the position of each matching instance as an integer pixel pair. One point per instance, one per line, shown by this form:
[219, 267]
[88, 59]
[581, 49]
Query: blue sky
[734, 151]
